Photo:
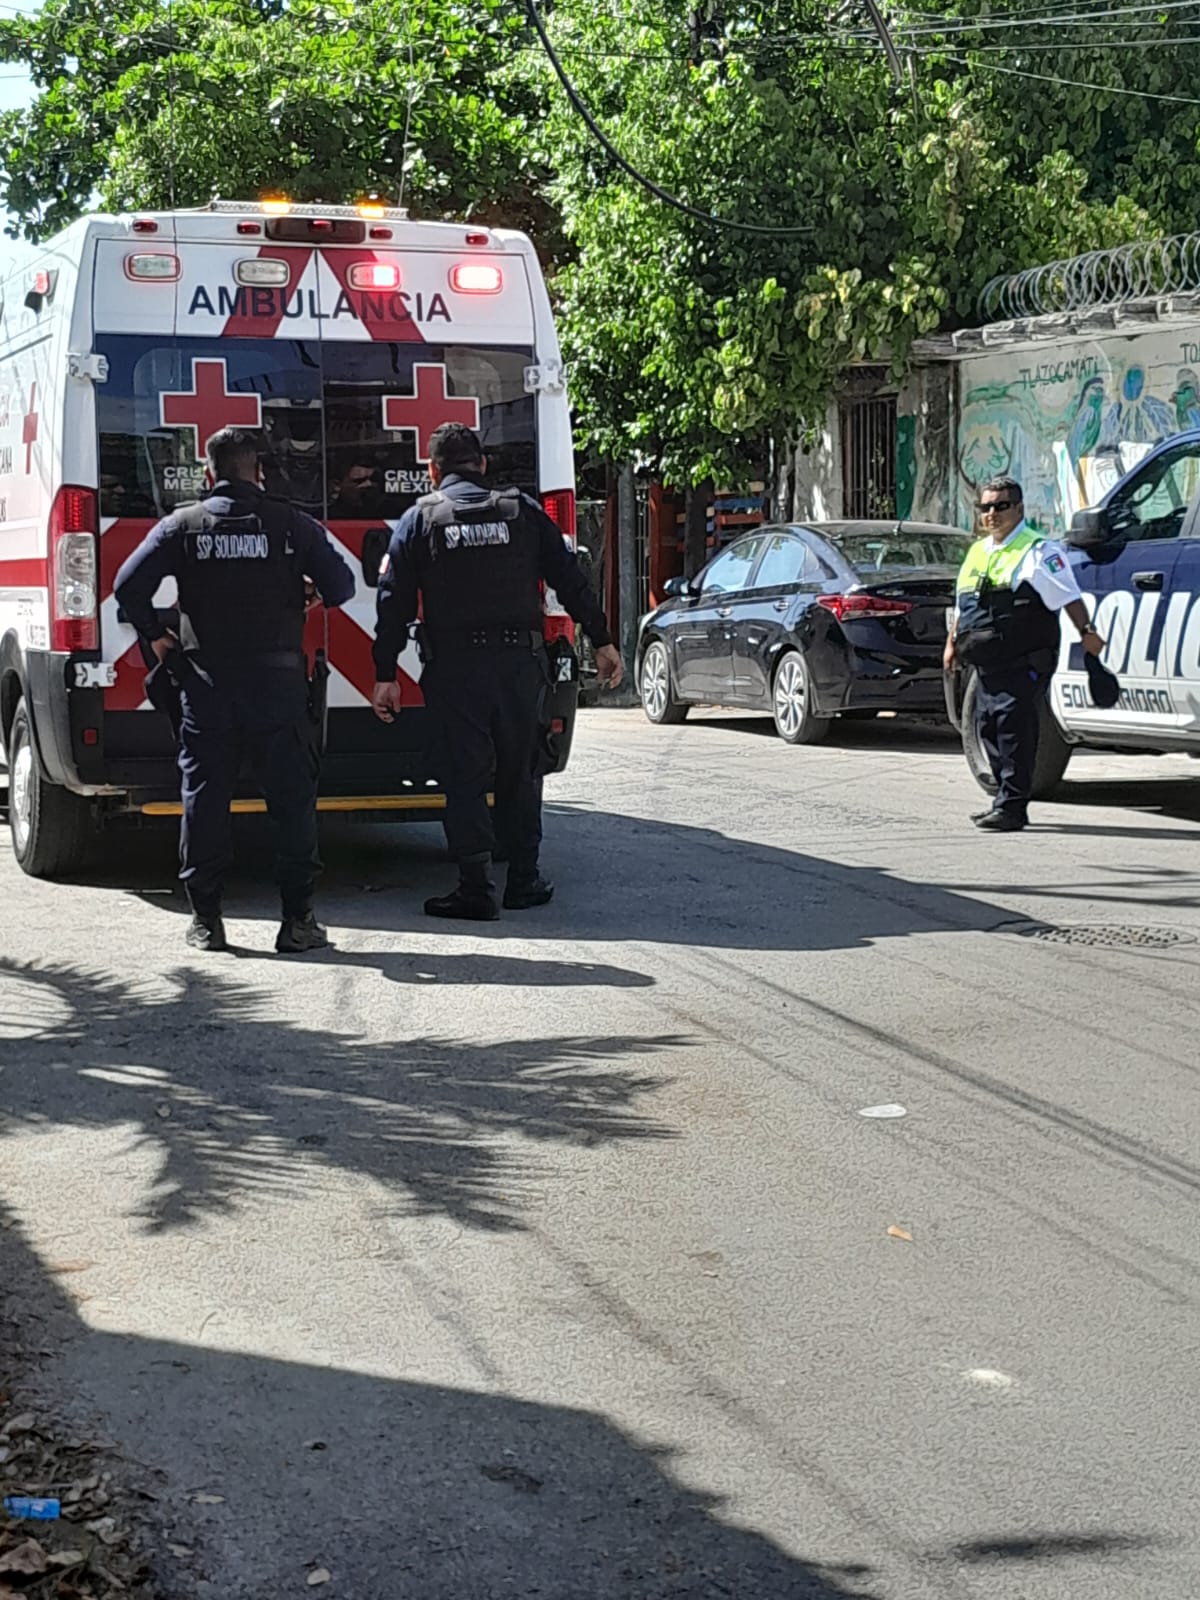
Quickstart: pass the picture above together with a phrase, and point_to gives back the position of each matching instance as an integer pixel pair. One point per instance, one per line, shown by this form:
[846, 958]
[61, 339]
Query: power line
[1052, 20]
[1073, 83]
[626, 166]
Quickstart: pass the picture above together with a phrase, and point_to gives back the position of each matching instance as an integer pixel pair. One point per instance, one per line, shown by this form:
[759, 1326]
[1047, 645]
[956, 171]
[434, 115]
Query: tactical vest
[998, 625]
[479, 565]
[241, 588]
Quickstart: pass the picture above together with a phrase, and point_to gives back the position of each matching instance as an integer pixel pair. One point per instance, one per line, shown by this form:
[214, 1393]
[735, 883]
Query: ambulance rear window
[345, 425]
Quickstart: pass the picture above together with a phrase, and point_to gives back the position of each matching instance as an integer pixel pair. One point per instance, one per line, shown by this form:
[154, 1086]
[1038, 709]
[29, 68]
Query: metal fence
[869, 456]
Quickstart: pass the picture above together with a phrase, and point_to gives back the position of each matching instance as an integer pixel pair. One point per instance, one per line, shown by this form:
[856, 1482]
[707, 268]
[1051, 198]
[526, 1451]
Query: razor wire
[1148, 269]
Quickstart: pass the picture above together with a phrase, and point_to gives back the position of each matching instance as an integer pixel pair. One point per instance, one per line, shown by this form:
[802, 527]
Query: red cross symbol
[29, 428]
[209, 406]
[422, 412]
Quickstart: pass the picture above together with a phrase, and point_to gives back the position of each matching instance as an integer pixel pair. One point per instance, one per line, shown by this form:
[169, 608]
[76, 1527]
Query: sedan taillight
[855, 607]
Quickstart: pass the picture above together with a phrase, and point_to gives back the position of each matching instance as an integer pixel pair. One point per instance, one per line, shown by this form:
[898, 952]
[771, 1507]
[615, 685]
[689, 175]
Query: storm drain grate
[1104, 935]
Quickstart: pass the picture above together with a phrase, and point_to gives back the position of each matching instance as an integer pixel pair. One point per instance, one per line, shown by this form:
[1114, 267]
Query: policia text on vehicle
[473, 560]
[242, 563]
[1010, 590]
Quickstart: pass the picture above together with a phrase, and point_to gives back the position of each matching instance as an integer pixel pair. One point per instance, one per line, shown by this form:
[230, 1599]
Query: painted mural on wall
[1069, 421]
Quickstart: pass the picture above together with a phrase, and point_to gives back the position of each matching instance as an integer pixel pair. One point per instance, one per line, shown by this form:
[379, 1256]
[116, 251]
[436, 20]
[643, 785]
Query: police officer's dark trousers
[252, 718]
[1007, 709]
[487, 704]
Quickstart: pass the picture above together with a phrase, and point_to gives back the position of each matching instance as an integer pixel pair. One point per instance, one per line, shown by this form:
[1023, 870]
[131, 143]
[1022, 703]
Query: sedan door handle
[782, 605]
[724, 611]
[1148, 580]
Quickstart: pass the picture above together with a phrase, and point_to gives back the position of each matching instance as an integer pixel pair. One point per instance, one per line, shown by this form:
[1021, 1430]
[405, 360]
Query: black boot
[475, 898]
[207, 932]
[297, 934]
[524, 892]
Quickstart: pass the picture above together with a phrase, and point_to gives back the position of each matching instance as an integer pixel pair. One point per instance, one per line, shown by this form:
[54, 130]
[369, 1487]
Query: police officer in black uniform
[243, 564]
[476, 558]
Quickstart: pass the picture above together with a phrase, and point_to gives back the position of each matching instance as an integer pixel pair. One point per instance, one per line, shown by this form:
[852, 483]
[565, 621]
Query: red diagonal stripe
[244, 326]
[350, 653]
[382, 313]
[118, 543]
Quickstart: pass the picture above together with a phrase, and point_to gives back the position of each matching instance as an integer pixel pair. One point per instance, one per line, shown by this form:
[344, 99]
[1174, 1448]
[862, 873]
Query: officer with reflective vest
[245, 566]
[1010, 590]
[473, 560]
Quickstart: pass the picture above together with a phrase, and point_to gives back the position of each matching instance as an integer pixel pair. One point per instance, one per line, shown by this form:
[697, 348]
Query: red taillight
[373, 275]
[856, 607]
[73, 621]
[559, 506]
[381, 233]
[249, 227]
[144, 225]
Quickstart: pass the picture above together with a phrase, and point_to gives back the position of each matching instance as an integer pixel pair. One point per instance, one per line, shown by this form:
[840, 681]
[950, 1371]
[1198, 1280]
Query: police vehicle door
[1139, 604]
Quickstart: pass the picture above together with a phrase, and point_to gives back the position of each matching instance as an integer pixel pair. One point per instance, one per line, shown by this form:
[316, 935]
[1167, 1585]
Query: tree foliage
[689, 341]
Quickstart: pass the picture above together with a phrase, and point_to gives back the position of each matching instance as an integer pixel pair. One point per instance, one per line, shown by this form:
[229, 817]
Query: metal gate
[869, 457]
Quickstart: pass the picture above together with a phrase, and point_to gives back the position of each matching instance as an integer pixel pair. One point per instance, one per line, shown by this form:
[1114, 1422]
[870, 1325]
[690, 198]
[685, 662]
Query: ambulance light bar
[370, 209]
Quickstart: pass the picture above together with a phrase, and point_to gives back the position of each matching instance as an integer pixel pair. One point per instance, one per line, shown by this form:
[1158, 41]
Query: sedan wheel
[791, 701]
[657, 702]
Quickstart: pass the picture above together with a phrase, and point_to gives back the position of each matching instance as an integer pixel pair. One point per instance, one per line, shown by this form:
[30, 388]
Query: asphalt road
[553, 1258]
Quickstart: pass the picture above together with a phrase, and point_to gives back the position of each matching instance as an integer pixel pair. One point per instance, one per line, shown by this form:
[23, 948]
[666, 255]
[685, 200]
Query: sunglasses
[985, 506]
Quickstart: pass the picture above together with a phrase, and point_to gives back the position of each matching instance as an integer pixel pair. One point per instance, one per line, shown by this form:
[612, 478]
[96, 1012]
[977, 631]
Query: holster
[318, 701]
[562, 666]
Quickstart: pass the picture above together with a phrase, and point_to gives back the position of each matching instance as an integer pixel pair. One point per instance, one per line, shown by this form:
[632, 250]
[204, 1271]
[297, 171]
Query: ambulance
[1136, 557]
[347, 334]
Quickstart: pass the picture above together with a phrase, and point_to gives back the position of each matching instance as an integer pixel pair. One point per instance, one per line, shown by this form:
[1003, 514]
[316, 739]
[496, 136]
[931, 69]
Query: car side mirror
[374, 548]
[679, 589]
[1090, 529]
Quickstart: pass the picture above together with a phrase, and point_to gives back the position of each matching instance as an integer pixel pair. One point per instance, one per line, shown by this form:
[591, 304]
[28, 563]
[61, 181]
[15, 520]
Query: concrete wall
[817, 475]
[1069, 417]
[925, 430]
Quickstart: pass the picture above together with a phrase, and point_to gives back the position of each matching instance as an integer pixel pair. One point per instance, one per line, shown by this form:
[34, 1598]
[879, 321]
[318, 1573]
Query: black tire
[1053, 751]
[654, 687]
[50, 826]
[792, 702]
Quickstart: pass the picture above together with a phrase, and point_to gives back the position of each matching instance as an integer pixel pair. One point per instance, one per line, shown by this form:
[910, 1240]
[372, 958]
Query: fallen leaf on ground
[321, 1575]
[21, 1424]
[180, 1549]
[208, 1499]
[28, 1559]
[71, 1266]
[163, 1111]
[899, 1233]
[315, 1444]
[67, 1558]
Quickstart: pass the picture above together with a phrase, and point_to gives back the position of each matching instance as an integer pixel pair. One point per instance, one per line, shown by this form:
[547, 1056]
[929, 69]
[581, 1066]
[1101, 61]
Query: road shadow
[239, 1105]
[400, 1490]
[879, 735]
[1177, 797]
[1046, 1547]
[620, 878]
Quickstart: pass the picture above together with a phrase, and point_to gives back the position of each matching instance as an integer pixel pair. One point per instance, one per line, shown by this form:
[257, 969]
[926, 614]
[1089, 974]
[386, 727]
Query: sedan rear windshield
[902, 551]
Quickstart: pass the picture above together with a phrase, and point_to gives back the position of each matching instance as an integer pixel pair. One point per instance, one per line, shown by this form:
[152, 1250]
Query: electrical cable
[1073, 83]
[626, 166]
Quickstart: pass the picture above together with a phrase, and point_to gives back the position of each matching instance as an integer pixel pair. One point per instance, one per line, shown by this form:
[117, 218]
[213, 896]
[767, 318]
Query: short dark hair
[1005, 485]
[229, 448]
[455, 448]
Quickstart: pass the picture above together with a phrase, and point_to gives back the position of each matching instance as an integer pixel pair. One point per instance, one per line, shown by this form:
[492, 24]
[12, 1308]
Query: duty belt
[490, 638]
[251, 659]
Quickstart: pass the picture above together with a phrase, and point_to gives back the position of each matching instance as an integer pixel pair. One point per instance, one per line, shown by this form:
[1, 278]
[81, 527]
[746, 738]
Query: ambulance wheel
[50, 826]
[1053, 751]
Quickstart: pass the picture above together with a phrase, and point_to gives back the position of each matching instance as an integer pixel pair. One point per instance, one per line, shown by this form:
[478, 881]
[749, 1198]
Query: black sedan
[808, 622]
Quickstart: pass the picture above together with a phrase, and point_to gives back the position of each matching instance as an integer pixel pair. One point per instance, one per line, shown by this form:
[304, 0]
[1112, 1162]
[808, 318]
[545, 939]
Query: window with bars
[869, 457]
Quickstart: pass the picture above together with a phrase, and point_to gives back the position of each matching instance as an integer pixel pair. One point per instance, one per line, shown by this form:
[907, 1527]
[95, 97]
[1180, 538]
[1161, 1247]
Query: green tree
[141, 103]
[688, 342]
